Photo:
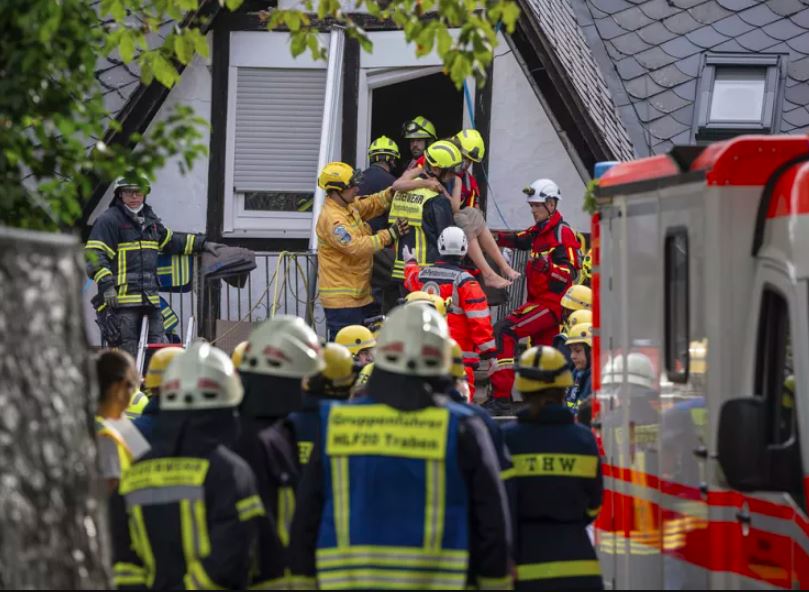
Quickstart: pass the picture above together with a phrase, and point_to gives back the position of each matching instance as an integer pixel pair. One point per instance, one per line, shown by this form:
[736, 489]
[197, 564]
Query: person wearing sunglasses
[420, 131]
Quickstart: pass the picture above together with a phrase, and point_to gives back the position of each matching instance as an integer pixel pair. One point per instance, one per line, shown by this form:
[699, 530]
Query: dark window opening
[676, 274]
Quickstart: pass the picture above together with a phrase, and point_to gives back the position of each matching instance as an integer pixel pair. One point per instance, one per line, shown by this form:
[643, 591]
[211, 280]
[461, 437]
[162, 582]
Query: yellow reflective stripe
[166, 240]
[301, 582]
[153, 298]
[128, 574]
[250, 507]
[100, 246]
[395, 556]
[346, 290]
[371, 550]
[198, 579]
[558, 465]
[202, 528]
[503, 583]
[165, 472]
[508, 474]
[593, 512]
[130, 299]
[558, 569]
[435, 486]
[305, 451]
[101, 274]
[189, 244]
[187, 530]
[339, 477]
[390, 578]
[141, 544]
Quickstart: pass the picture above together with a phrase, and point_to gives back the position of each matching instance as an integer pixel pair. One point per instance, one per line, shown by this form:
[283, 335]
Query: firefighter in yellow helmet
[346, 245]
[577, 299]
[238, 354]
[433, 300]
[421, 132]
[359, 340]
[580, 343]
[333, 382]
[557, 480]
[154, 376]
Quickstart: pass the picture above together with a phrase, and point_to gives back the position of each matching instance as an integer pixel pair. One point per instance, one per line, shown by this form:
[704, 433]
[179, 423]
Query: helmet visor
[413, 127]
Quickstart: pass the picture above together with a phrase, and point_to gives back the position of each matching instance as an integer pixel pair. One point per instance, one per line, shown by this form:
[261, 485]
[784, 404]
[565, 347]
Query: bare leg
[490, 247]
[489, 276]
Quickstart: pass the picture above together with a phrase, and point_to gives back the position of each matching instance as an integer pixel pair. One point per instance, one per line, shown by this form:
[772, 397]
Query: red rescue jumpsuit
[468, 314]
[551, 269]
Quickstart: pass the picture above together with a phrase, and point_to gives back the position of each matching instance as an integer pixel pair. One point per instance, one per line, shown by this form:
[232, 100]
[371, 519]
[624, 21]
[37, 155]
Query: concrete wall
[523, 147]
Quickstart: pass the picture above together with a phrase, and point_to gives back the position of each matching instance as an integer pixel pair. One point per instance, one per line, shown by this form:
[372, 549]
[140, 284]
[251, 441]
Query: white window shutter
[279, 114]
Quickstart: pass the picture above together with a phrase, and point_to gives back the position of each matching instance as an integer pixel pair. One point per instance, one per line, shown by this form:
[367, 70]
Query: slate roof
[559, 24]
[651, 50]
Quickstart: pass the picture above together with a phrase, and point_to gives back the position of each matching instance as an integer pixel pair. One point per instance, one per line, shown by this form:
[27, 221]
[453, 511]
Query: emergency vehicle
[701, 264]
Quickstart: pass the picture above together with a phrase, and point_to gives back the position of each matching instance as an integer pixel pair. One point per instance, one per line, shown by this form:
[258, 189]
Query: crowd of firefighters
[361, 461]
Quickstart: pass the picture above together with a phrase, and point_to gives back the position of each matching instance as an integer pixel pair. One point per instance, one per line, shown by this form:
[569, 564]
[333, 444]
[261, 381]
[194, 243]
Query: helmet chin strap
[135, 210]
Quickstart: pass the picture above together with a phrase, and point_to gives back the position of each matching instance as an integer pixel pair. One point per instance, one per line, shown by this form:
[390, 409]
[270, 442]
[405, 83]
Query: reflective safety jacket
[306, 426]
[345, 249]
[470, 191]
[554, 262]
[468, 315]
[122, 252]
[428, 214]
[556, 488]
[187, 515]
[400, 499]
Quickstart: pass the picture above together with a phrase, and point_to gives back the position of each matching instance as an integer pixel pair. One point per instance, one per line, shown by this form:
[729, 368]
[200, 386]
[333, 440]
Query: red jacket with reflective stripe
[468, 314]
[554, 261]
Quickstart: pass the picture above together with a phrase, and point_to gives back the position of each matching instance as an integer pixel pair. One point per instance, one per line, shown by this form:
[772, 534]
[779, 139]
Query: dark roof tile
[782, 47]
[661, 147]
[597, 14]
[684, 115]
[658, 9]
[629, 68]
[666, 127]
[610, 6]
[756, 40]
[800, 43]
[669, 76]
[654, 58]
[667, 102]
[785, 7]
[642, 87]
[730, 45]
[630, 44]
[798, 117]
[798, 94]
[632, 19]
[732, 26]
[689, 65]
[680, 47]
[608, 28]
[801, 18]
[799, 70]
[783, 29]
[709, 12]
[655, 34]
[681, 23]
[613, 52]
[648, 113]
[683, 139]
[687, 91]
[686, 3]
[706, 37]
[737, 5]
[758, 15]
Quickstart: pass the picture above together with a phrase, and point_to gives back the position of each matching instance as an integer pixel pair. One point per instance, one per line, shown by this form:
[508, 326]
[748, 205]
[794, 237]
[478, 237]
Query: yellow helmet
[542, 368]
[238, 354]
[433, 300]
[137, 404]
[471, 144]
[581, 333]
[578, 297]
[383, 146]
[364, 376]
[443, 155]
[337, 176]
[457, 369]
[158, 364]
[419, 127]
[356, 338]
[578, 317]
[586, 271]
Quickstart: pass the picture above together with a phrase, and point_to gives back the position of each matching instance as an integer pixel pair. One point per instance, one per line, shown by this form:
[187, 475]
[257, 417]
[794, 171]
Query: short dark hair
[112, 366]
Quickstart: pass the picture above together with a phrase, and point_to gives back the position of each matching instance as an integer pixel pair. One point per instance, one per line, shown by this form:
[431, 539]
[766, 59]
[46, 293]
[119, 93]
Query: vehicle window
[676, 277]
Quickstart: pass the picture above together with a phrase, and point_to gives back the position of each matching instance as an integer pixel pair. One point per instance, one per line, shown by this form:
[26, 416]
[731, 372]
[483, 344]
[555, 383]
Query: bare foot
[495, 281]
[511, 274]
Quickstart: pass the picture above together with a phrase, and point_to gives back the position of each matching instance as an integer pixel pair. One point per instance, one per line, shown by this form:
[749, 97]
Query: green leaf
[297, 43]
[200, 43]
[184, 48]
[164, 71]
[444, 41]
[126, 46]
[511, 12]
[233, 5]
[293, 20]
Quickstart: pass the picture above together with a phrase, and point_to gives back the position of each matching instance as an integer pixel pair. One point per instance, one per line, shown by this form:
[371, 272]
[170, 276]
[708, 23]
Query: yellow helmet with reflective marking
[419, 128]
[137, 404]
[158, 364]
[356, 338]
[238, 354]
[577, 298]
[578, 317]
[433, 300]
[443, 155]
[337, 176]
[471, 144]
[457, 369]
[383, 146]
[586, 271]
[581, 333]
[541, 368]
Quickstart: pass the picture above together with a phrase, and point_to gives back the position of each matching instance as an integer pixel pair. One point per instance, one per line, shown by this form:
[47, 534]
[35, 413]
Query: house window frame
[260, 49]
[705, 130]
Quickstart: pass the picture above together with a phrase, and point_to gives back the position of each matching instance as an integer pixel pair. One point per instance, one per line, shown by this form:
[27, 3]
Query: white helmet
[452, 241]
[414, 341]
[639, 371]
[283, 346]
[541, 190]
[202, 377]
